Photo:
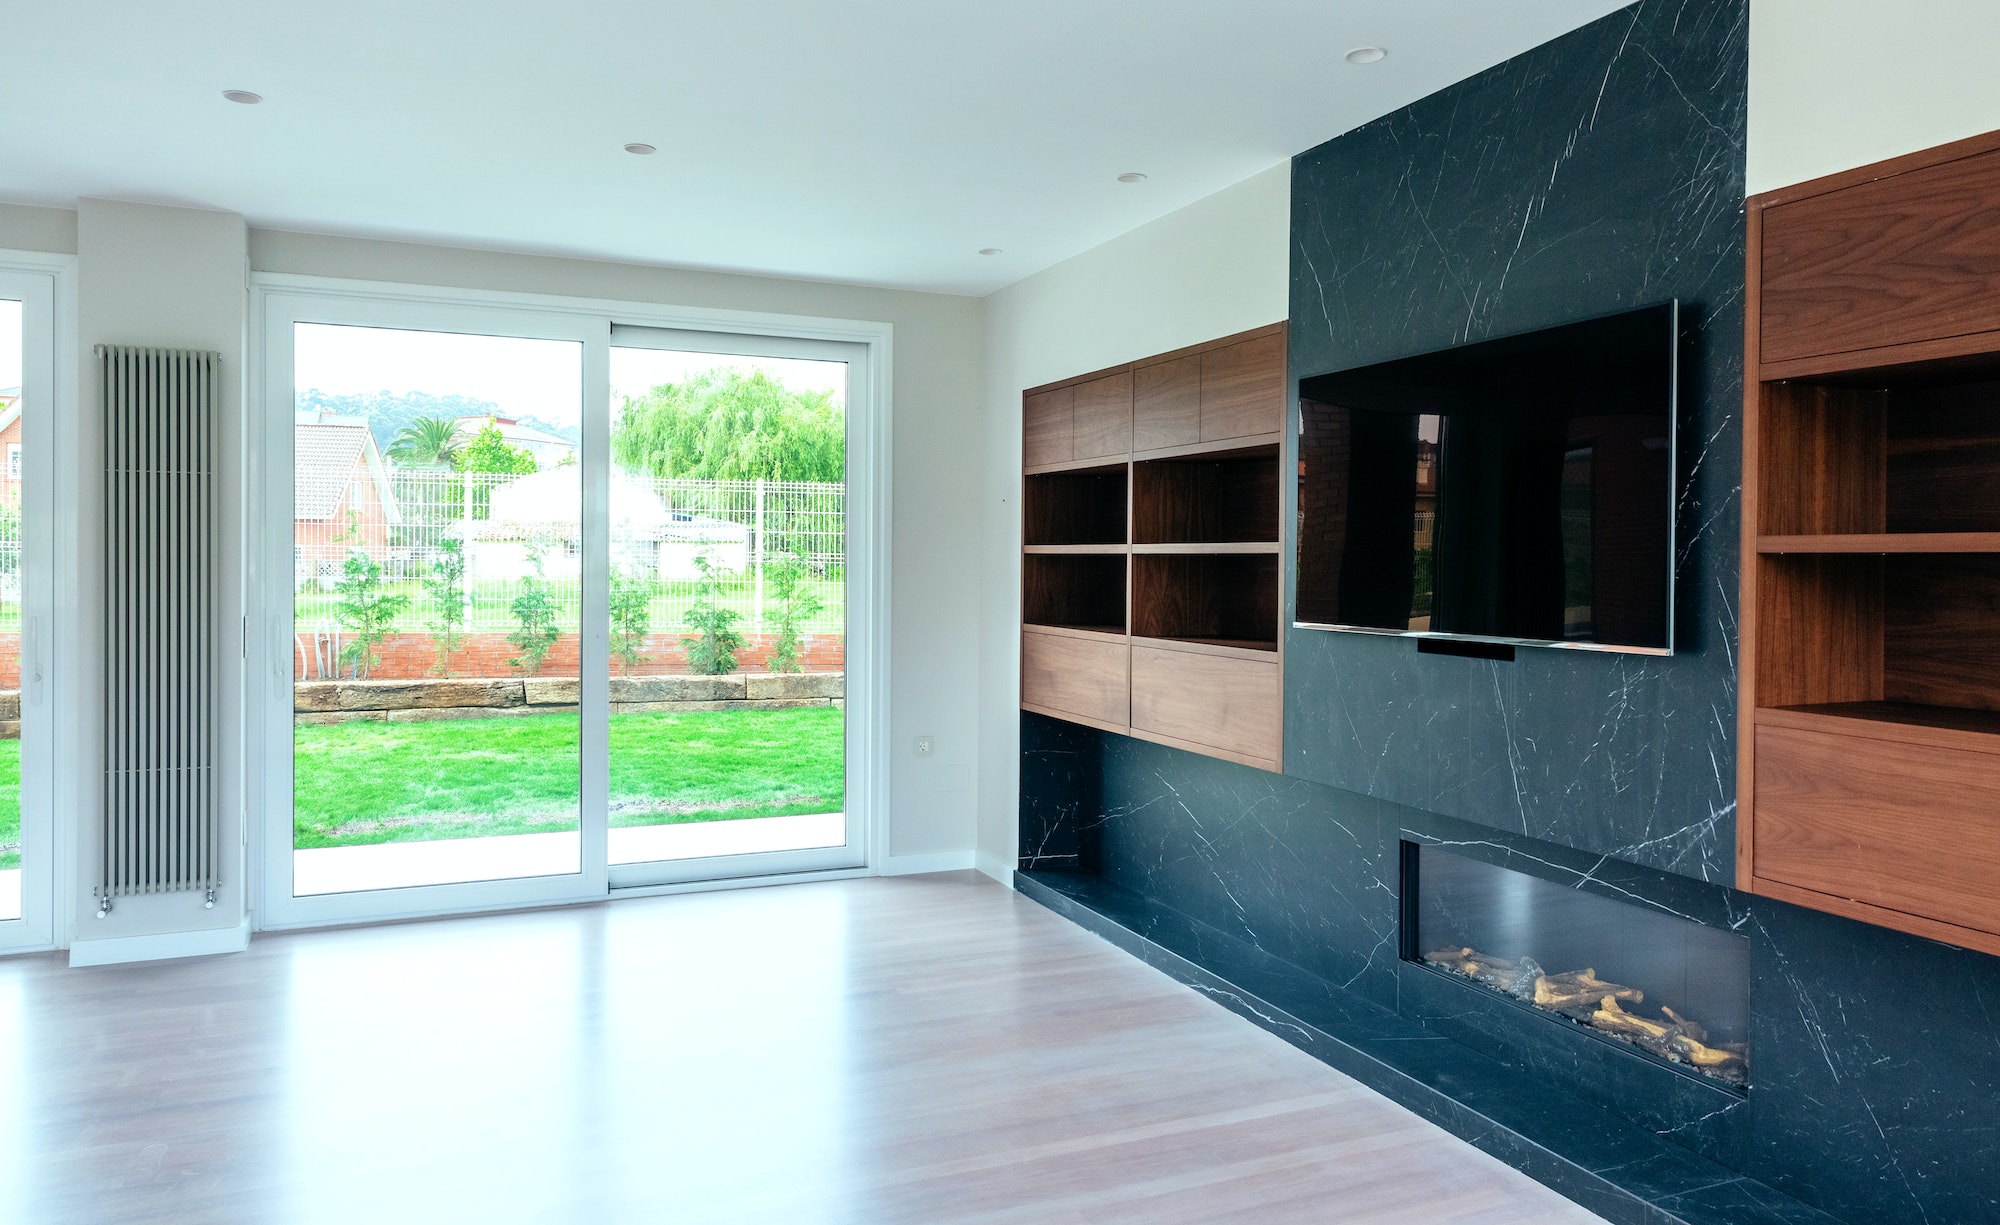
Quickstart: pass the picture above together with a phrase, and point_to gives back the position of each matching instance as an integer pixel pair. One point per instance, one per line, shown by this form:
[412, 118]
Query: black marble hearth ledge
[1621, 1172]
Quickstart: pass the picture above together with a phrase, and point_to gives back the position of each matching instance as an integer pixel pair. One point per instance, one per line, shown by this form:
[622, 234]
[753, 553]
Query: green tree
[427, 442]
[364, 610]
[631, 617]
[444, 583]
[733, 425]
[711, 650]
[487, 453]
[791, 587]
[535, 610]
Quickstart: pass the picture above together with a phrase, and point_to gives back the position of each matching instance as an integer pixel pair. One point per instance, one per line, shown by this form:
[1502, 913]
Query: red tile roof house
[343, 496]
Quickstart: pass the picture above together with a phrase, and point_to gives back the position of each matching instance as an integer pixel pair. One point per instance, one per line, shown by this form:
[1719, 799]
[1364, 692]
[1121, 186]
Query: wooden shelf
[1086, 631]
[1222, 548]
[1075, 550]
[1246, 647]
[1185, 450]
[1907, 722]
[1883, 542]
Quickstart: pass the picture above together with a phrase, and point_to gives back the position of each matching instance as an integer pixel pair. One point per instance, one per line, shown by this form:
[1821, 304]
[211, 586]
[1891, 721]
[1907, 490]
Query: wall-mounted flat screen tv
[1517, 490]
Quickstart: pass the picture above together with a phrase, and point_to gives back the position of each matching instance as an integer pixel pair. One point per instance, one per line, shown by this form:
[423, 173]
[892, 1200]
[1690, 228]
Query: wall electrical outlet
[923, 746]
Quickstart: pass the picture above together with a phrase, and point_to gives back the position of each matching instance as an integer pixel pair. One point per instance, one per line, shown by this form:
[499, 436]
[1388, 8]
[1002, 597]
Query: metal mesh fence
[10, 551]
[514, 531]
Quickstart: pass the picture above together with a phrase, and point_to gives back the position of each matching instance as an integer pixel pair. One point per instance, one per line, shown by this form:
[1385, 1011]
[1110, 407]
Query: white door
[27, 695]
[430, 563]
[729, 744]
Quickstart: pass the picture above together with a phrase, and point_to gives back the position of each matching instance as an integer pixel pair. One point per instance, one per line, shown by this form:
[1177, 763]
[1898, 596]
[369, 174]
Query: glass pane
[728, 605]
[437, 570]
[1677, 989]
[10, 608]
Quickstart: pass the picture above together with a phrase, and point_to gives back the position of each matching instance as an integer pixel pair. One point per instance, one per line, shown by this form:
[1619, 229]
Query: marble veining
[1597, 173]
[1878, 1068]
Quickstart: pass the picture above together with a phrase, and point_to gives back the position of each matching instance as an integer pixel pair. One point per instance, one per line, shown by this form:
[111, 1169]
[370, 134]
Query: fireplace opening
[1669, 987]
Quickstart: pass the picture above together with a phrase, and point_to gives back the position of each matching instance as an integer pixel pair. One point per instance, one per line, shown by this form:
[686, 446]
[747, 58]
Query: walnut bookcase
[1869, 783]
[1149, 568]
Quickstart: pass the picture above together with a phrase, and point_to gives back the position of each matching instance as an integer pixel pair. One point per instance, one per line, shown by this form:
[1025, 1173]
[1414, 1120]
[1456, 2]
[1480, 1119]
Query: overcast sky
[526, 378]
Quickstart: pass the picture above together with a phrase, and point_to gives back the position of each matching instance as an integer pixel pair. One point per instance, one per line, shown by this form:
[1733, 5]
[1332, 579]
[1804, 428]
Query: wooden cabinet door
[1103, 415]
[1243, 389]
[1166, 404]
[1048, 427]
[1226, 703]
[1870, 820]
[1911, 257]
[1085, 677]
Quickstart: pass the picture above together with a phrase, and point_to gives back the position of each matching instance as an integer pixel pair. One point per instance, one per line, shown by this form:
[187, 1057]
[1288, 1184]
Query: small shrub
[711, 650]
[444, 583]
[631, 618]
[797, 601]
[535, 609]
[364, 610]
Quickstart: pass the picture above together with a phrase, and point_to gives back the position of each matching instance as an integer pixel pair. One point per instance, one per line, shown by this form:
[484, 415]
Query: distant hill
[388, 412]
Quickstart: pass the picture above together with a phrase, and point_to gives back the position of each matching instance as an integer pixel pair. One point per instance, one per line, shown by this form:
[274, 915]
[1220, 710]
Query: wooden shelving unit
[1870, 749]
[1187, 654]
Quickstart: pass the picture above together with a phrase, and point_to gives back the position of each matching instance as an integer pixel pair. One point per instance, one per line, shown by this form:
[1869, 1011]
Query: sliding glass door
[568, 606]
[728, 606]
[428, 471]
[27, 384]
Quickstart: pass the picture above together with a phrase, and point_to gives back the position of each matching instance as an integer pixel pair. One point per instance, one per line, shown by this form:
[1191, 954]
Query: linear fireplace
[1665, 985]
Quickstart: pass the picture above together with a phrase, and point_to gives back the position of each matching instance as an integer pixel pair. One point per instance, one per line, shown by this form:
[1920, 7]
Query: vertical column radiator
[159, 796]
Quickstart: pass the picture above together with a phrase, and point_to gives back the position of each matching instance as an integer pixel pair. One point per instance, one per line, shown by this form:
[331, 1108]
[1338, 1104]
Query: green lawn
[363, 783]
[10, 804]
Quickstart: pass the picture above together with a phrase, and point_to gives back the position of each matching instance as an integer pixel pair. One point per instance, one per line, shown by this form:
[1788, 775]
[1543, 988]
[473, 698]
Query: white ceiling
[880, 141]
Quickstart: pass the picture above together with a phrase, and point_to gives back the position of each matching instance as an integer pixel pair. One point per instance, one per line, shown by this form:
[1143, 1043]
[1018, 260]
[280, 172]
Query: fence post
[757, 559]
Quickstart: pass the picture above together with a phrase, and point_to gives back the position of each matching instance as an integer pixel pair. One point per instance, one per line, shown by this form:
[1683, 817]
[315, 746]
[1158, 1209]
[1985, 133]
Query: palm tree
[426, 442]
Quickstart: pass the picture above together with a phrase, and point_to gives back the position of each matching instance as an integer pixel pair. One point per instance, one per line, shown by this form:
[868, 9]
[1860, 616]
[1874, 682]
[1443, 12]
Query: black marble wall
[1597, 173]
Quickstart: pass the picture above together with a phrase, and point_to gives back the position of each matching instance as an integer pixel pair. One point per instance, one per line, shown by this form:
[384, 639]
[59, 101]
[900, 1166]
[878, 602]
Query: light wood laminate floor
[922, 1050]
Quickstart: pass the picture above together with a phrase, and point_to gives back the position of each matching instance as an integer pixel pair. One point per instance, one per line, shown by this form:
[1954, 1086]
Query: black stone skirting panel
[1621, 1172]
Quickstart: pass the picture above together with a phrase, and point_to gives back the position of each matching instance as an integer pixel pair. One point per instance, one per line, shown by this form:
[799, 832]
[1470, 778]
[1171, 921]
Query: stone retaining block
[319, 703]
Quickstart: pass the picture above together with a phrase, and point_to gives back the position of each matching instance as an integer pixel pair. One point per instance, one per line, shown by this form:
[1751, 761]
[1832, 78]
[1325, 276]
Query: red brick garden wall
[410, 657]
[10, 661]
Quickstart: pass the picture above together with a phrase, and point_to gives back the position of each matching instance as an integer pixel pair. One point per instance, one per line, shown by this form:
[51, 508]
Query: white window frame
[50, 515]
[280, 300]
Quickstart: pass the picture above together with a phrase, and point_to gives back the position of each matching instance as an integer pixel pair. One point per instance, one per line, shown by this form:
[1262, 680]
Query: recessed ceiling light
[243, 95]
[989, 250]
[640, 149]
[1367, 55]
[1131, 176]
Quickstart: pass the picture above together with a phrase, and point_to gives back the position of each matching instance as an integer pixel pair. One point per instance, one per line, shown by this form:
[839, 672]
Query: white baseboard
[913, 865]
[120, 949]
[998, 869]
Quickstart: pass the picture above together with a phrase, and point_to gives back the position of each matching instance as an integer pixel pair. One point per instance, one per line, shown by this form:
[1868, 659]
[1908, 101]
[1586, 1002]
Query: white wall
[1218, 266]
[933, 656]
[24, 227]
[148, 275]
[1836, 84]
